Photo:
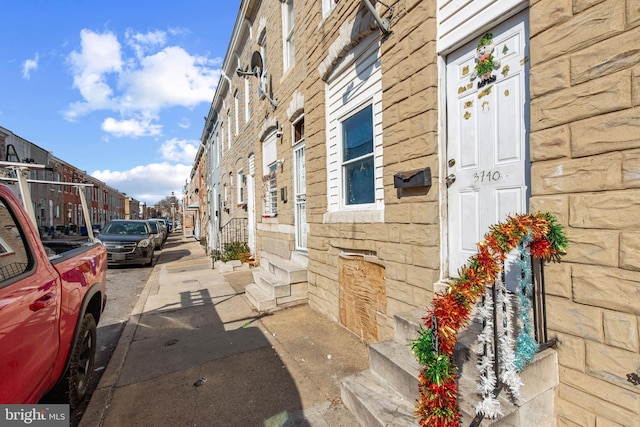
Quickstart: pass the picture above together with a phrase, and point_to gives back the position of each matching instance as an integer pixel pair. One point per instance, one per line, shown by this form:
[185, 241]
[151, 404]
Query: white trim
[288, 36]
[460, 20]
[354, 84]
[474, 26]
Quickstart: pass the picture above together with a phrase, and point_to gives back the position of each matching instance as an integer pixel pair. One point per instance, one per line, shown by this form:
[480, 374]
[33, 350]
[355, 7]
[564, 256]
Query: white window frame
[270, 192]
[269, 179]
[348, 92]
[247, 110]
[229, 130]
[327, 7]
[236, 112]
[299, 185]
[222, 138]
[288, 38]
[241, 187]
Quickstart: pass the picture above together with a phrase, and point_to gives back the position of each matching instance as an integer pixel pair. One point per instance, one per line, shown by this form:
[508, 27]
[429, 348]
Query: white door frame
[443, 137]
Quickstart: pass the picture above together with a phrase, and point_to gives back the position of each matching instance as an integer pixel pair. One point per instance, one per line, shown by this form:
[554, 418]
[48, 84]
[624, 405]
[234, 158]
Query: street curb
[96, 411]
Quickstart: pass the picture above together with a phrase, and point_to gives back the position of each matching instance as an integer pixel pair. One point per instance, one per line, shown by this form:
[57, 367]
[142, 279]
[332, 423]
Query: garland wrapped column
[437, 406]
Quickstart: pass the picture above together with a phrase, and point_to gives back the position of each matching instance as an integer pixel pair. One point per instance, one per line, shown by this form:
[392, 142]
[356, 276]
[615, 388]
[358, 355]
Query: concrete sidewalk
[194, 353]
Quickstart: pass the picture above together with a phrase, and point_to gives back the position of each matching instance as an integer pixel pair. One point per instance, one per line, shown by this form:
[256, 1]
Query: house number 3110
[486, 176]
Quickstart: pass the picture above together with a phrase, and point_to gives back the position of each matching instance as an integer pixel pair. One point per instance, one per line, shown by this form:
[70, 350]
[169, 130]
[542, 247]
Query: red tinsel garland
[437, 405]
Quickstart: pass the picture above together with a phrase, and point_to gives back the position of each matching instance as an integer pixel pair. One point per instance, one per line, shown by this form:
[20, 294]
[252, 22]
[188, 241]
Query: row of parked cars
[133, 241]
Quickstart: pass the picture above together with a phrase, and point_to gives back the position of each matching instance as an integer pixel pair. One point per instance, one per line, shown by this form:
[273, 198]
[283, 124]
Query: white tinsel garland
[489, 405]
[508, 372]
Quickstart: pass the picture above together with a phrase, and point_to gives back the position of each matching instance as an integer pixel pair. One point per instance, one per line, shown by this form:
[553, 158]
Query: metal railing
[539, 318]
[234, 231]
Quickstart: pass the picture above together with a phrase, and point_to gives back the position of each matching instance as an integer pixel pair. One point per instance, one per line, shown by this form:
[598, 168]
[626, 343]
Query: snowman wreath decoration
[485, 61]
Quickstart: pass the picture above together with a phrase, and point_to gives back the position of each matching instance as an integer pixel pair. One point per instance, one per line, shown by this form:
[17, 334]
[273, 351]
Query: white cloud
[142, 43]
[149, 183]
[28, 66]
[132, 127]
[167, 78]
[178, 150]
[152, 78]
[100, 55]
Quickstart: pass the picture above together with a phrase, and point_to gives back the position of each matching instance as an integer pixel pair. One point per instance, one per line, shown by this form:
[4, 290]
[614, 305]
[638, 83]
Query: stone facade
[584, 144]
[242, 119]
[407, 242]
[584, 88]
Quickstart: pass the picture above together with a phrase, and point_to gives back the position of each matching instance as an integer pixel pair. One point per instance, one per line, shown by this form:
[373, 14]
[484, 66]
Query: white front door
[487, 138]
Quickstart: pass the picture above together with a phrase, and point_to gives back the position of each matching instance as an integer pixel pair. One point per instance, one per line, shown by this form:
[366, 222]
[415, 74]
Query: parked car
[158, 234]
[165, 225]
[128, 241]
[50, 304]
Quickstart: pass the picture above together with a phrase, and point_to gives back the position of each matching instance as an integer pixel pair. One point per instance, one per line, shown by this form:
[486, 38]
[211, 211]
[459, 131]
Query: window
[327, 6]
[288, 50]
[357, 158]
[242, 179]
[236, 111]
[270, 192]
[221, 138]
[229, 130]
[15, 258]
[247, 111]
[269, 182]
[354, 142]
[298, 131]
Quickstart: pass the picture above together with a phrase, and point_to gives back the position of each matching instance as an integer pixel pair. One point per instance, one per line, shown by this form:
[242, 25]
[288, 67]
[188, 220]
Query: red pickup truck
[50, 303]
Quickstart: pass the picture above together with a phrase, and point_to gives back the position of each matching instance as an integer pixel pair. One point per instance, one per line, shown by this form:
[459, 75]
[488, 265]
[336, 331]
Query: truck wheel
[82, 360]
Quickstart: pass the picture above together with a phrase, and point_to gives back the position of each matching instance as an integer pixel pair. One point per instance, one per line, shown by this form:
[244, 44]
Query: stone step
[287, 271]
[373, 403]
[395, 363]
[395, 369]
[469, 397]
[299, 294]
[270, 283]
[259, 298]
[407, 325]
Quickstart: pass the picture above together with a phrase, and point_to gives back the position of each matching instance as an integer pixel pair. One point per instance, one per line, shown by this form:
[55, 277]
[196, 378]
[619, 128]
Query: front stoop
[230, 266]
[386, 394]
[277, 283]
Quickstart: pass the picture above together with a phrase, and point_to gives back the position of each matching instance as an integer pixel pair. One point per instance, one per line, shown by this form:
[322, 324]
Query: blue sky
[117, 88]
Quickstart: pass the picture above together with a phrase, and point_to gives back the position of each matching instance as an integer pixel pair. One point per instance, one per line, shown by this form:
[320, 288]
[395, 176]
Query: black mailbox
[412, 179]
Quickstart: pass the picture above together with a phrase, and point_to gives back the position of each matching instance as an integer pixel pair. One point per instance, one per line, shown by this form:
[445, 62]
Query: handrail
[539, 235]
[233, 231]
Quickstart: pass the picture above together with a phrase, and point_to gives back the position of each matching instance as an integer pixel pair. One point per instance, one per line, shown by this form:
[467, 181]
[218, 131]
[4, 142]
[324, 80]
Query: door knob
[450, 179]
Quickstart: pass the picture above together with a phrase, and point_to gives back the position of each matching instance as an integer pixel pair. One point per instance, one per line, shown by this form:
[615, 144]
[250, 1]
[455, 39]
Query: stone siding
[407, 243]
[585, 105]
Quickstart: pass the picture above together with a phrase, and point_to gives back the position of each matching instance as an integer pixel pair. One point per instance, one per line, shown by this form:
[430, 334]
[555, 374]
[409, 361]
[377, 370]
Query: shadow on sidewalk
[206, 337]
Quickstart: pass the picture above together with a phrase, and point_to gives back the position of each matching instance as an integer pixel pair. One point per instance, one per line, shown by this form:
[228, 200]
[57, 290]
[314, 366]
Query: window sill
[363, 216]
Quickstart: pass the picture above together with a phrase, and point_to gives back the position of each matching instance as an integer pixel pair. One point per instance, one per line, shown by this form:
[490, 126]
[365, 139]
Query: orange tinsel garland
[437, 405]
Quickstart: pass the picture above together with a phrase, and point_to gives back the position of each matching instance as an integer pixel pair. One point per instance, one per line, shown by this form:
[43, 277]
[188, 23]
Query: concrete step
[407, 325]
[395, 363]
[298, 294]
[228, 266]
[373, 403]
[259, 298]
[391, 382]
[287, 271]
[270, 283]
